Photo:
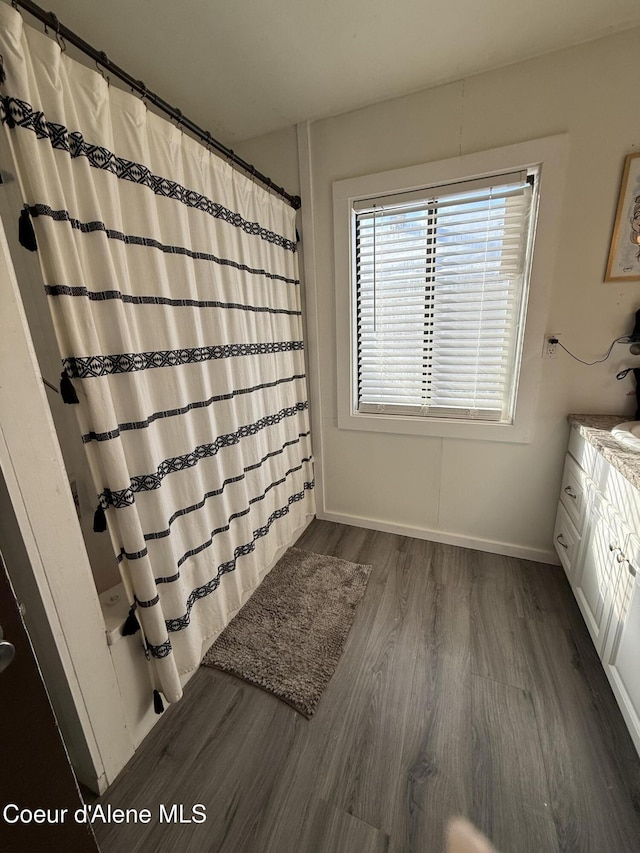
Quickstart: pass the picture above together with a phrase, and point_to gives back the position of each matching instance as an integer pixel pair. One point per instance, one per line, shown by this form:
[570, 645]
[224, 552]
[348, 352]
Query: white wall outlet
[550, 350]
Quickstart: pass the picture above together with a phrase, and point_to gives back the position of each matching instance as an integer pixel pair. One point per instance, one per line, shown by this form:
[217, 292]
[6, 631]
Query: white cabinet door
[596, 570]
[621, 656]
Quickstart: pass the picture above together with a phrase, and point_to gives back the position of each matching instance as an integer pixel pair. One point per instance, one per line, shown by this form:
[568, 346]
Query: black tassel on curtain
[158, 704]
[67, 391]
[26, 234]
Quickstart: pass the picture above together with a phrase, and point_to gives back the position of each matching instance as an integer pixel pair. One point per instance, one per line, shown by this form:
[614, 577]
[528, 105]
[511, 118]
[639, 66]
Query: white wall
[27, 267]
[497, 496]
[46, 558]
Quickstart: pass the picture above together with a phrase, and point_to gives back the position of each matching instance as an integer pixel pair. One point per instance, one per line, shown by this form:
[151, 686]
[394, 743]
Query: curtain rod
[49, 19]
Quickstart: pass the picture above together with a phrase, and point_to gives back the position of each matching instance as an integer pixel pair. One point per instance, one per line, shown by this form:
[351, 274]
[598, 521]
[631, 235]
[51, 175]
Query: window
[438, 288]
[440, 283]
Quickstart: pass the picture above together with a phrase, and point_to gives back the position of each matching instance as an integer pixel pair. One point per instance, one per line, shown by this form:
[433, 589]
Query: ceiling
[241, 68]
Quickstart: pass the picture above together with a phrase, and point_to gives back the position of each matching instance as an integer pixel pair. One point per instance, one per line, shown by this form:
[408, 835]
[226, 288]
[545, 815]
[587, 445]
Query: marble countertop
[596, 429]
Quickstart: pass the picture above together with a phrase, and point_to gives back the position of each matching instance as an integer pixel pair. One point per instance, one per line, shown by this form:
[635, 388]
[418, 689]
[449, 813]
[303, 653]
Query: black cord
[625, 338]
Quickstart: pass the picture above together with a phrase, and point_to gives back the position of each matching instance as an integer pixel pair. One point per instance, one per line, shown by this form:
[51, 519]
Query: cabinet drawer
[573, 490]
[566, 540]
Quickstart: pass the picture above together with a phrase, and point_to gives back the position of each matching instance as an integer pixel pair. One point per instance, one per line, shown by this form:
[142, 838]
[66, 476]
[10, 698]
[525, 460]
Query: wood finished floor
[468, 685]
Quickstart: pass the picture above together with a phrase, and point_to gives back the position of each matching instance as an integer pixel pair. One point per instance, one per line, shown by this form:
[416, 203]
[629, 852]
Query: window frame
[548, 155]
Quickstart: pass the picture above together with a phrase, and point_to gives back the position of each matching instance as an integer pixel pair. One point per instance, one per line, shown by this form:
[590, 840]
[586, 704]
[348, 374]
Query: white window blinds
[440, 296]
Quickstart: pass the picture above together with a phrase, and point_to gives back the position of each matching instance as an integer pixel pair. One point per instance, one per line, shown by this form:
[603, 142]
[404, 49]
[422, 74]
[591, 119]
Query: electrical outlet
[550, 350]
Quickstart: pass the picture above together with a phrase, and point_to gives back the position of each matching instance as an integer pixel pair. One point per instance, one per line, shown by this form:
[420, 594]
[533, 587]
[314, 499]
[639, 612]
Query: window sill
[515, 433]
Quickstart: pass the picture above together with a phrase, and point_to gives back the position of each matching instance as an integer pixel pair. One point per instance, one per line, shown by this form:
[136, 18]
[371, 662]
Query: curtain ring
[208, 138]
[230, 156]
[253, 174]
[105, 59]
[143, 95]
[180, 118]
[61, 42]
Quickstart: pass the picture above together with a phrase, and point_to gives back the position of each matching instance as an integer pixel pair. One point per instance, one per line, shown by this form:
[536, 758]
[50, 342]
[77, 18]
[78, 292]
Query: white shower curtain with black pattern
[173, 286]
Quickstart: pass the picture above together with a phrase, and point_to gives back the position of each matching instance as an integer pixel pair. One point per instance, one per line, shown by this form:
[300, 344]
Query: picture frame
[624, 253]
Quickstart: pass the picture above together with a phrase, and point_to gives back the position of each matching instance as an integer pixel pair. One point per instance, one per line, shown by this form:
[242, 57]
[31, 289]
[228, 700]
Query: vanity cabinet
[596, 537]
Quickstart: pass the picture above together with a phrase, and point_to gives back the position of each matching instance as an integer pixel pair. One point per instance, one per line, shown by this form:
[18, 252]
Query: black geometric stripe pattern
[149, 482]
[180, 623]
[129, 362]
[137, 555]
[195, 551]
[17, 113]
[171, 413]
[162, 651]
[105, 295]
[132, 240]
[180, 513]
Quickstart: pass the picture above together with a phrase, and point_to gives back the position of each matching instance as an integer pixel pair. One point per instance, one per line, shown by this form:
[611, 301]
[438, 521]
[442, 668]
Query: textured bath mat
[288, 638]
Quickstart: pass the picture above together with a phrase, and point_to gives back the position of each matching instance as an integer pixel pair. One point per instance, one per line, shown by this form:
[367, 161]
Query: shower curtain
[173, 286]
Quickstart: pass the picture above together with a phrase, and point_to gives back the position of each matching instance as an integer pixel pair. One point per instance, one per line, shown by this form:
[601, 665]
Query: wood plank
[453, 566]
[321, 537]
[511, 802]
[592, 768]
[542, 591]
[331, 830]
[496, 629]
[436, 756]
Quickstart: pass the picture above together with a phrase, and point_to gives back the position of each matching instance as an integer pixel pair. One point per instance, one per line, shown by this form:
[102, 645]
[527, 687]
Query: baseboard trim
[507, 549]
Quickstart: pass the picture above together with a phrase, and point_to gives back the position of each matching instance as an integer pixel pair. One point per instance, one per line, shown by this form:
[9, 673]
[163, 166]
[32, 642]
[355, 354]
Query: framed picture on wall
[624, 254]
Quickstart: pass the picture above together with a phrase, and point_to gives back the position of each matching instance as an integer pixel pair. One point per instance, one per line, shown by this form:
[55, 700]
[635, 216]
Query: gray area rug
[288, 638]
